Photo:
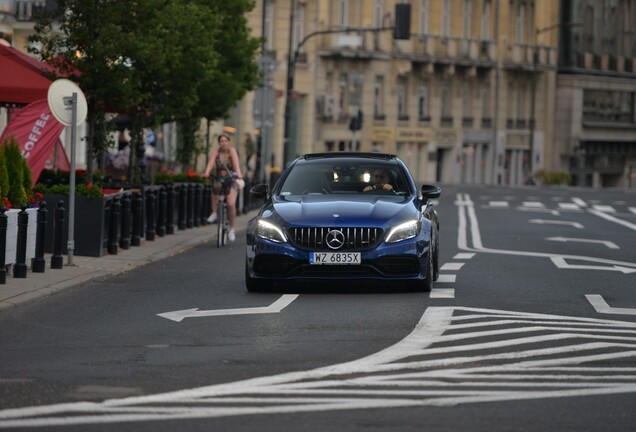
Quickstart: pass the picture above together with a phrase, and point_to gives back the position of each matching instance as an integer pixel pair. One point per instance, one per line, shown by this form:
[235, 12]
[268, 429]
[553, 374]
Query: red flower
[31, 199]
[39, 195]
[89, 186]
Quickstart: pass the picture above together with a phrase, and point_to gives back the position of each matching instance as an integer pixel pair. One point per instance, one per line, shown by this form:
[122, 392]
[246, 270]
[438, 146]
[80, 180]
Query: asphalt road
[531, 327]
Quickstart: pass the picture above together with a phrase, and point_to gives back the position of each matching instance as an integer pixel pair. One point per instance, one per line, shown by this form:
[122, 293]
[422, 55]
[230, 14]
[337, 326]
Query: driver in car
[380, 178]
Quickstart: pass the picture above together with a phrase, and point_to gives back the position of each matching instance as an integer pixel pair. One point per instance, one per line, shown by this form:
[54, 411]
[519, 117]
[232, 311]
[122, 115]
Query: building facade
[596, 93]
[469, 97]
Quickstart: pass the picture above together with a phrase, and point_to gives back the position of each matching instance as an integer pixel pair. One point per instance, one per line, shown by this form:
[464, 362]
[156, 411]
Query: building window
[378, 10]
[423, 18]
[299, 24]
[268, 30]
[467, 100]
[446, 17]
[520, 23]
[521, 102]
[378, 97]
[468, 12]
[342, 94]
[343, 13]
[446, 100]
[485, 21]
[485, 101]
[402, 98]
[422, 101]
[608, 106]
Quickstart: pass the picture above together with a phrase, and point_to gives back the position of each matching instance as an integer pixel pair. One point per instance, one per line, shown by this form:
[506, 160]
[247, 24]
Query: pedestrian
[224, 169]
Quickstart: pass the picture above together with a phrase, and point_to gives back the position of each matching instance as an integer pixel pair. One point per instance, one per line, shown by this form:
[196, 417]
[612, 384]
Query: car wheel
[427, 284]
[436, 260]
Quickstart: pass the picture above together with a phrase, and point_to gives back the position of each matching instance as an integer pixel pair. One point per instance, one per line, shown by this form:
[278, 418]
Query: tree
[151, 60]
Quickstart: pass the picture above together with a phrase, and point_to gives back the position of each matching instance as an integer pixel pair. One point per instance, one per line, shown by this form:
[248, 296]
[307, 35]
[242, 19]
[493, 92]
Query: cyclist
[227, 177]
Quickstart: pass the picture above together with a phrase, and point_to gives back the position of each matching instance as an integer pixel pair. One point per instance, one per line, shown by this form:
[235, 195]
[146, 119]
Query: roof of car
[383, 156]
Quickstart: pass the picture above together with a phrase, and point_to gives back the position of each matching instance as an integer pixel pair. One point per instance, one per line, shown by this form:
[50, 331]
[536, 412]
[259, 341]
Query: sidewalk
[84, 269]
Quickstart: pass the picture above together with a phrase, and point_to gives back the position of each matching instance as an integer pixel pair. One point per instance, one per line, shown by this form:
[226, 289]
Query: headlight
[404, 231]
[270, 231]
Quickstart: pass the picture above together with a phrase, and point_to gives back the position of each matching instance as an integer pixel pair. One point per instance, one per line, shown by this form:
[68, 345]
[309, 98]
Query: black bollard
[196, 212]
[183, 205]
[207, 202]
[160, 229]
[4, 220]
[113, 229]
[124, 238]
[150, 215]
[137, 219]
[169, 209]
[38, 264]
[190, 209]
[57, 260]
[20, 267]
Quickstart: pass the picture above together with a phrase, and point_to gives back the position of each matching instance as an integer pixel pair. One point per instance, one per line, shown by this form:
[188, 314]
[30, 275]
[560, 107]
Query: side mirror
[430, 191]
[259, 191]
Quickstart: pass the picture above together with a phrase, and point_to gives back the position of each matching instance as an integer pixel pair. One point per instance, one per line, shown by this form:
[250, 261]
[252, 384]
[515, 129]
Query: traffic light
[402, 29]
[355, 123]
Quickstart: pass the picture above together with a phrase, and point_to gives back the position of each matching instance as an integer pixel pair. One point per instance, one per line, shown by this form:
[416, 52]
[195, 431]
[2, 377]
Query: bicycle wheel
[225, 226]
[221, 226]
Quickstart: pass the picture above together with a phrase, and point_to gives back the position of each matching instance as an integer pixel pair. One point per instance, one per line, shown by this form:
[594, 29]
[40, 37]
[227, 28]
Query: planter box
[92, 222]
[12, 235]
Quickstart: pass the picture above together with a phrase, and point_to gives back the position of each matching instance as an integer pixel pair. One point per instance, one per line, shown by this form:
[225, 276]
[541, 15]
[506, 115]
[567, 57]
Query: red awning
[22, 79]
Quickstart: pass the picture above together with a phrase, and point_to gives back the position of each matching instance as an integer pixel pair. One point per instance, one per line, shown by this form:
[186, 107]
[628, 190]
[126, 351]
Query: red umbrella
[22, 79]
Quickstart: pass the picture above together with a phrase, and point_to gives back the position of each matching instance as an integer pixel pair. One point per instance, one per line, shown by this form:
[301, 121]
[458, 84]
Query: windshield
[345, 176]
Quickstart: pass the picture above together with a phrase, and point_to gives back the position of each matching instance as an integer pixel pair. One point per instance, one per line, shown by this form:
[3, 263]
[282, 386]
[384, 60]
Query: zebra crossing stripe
[442, 293]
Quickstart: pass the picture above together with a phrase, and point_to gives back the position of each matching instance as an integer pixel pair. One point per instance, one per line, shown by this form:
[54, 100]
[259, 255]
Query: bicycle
[222, 221]
[221, 211]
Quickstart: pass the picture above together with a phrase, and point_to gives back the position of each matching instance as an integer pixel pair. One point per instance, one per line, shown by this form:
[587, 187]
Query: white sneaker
[213, 217]
[231, 235]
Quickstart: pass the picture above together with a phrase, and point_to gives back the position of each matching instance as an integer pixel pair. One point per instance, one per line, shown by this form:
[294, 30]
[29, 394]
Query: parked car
[330, 217]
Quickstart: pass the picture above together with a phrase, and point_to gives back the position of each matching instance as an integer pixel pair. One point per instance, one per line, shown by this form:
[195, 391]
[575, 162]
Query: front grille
[398, 266]
[274, 265]
[355, 238]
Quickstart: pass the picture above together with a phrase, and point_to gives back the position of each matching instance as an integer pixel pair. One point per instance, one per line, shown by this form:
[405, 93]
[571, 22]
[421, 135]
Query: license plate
[334, 258]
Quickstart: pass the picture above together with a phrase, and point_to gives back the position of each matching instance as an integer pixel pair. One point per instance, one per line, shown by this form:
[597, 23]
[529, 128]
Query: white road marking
[533, 204]
[560, 357]
[604, 208]
[464, 255]
[632, 209]
[466, 208]
[613, 219]
[580, 202]
[539, 209]
[607, 243]
[556, 222]
[452, 266]
[569, 206]
[275, 307]
[561, 263]
[442, 293]
[601, 306]
[446, 278]
[498, 204]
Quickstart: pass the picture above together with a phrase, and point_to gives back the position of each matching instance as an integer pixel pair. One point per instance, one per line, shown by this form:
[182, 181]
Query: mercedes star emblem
[335, 239]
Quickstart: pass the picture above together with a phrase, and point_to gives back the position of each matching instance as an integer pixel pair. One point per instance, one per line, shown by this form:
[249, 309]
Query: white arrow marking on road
[556, 222]
[607, 243]
[580, 202]
[601, 306]
[562, 264]
[275, 307]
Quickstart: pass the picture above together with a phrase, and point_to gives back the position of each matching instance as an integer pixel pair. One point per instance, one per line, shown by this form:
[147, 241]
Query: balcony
[454, 50]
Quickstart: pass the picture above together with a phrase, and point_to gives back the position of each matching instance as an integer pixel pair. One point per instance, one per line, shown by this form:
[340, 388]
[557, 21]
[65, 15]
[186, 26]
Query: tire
[427, 284]
[221, 227]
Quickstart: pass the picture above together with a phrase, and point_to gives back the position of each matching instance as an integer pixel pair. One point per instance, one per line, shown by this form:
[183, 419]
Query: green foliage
[16, 170]
[554, 177]
[81, 190]
[4, 176]
[152, 60]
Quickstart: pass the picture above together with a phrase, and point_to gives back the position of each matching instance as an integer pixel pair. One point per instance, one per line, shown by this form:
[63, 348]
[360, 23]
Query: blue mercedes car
[343, 217]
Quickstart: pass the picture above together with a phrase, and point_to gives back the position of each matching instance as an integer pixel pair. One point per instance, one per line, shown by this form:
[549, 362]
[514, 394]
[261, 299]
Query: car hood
[350, 211]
